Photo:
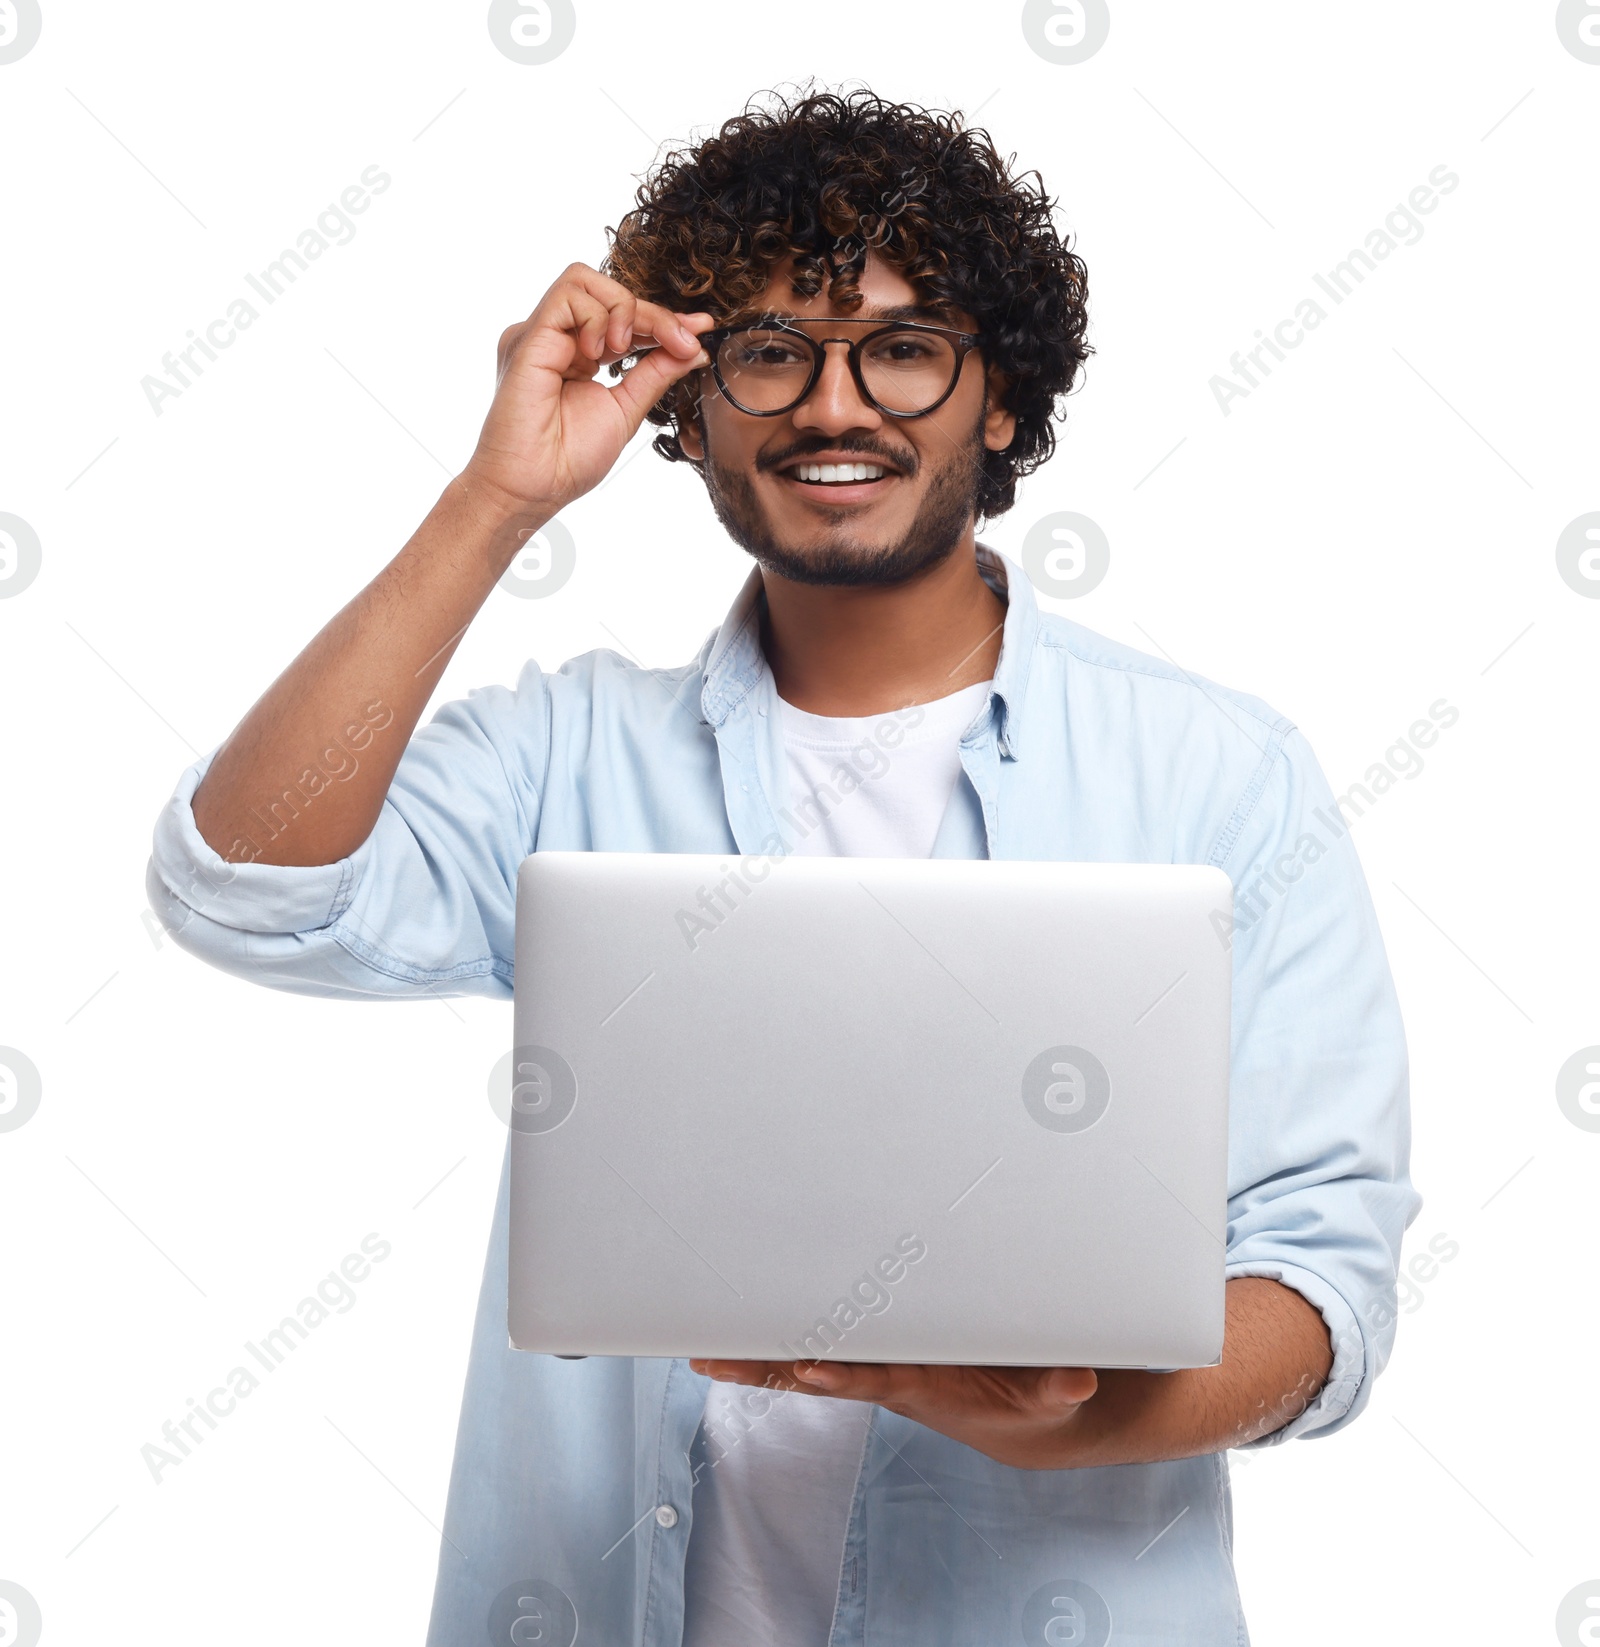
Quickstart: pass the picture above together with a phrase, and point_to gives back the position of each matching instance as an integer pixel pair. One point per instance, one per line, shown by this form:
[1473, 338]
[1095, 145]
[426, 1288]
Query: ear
[999, 425]
[691, 436]
[689, 419]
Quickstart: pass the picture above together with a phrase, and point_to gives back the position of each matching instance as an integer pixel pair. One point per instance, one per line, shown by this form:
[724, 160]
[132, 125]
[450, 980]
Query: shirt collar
[734, 662]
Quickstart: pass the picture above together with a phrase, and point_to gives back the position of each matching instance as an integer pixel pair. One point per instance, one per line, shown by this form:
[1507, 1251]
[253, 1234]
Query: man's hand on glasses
[553, 432]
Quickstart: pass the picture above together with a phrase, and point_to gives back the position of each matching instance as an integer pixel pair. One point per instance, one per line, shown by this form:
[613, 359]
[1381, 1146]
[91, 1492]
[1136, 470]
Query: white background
[1364, 534]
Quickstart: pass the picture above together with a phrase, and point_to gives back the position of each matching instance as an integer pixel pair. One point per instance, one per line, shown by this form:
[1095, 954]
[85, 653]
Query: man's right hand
[551, 435]
[553, 432]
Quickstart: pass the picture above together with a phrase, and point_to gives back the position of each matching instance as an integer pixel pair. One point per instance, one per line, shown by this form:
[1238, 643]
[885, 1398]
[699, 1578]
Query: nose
[835, 403]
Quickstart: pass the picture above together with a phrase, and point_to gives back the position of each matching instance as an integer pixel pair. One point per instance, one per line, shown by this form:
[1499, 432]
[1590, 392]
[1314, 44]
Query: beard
[842, 560]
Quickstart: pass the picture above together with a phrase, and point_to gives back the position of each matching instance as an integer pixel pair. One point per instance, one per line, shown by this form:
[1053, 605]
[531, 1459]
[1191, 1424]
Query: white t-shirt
[776, 1471]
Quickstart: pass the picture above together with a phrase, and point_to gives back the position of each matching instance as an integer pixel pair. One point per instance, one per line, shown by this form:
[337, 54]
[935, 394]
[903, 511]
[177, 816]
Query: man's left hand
[1027, 1417]
[1276, 1354]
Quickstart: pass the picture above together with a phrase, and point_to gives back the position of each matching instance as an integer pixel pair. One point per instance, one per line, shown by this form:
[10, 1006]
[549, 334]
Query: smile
[837, 474]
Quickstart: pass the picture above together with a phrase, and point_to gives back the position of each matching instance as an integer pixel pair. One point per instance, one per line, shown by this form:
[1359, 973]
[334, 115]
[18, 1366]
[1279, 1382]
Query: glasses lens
[908, 371]
[762, 369]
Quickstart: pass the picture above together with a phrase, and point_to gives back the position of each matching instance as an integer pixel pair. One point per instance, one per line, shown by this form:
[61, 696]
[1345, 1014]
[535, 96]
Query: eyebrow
[904, 311]
[885, 312]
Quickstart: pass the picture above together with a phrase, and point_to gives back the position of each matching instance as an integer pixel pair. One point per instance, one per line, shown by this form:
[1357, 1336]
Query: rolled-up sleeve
[1319, 1192]
[426, 903]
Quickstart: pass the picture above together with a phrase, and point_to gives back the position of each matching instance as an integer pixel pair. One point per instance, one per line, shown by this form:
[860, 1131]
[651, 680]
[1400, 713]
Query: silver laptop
[869, 1109]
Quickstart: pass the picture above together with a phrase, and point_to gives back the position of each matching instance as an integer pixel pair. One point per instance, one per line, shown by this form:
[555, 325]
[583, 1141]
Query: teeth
[838, 473]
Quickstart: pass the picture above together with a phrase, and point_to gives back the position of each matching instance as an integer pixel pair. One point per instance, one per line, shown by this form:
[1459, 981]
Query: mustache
[906, 463]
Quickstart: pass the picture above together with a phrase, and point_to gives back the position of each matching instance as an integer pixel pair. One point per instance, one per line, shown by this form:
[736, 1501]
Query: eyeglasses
[904, 368]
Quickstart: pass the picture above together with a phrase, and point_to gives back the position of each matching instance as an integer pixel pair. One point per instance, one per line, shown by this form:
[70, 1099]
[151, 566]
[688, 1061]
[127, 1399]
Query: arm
[1319, 1193]
[552, 434]
[1276, 1353]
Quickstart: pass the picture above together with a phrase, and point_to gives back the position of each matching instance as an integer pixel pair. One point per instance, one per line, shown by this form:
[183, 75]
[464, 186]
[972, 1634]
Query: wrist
[490, 524]
[497, 509]
[1115, 1425]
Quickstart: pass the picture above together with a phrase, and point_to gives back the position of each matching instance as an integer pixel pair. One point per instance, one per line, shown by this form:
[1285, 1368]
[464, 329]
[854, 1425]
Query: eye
[756, 351]
[908, 348]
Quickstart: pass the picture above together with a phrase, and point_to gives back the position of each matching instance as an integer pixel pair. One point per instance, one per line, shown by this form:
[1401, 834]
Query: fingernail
[701, 359]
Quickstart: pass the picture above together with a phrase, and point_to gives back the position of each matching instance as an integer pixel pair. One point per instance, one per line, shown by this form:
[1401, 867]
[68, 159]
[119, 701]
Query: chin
[846, 564]
[945, 519]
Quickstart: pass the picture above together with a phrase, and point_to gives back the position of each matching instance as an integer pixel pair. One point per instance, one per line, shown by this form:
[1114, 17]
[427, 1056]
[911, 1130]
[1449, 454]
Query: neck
[865, 650]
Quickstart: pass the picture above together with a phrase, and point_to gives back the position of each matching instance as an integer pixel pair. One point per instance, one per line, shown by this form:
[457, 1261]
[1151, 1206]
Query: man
[890, 321]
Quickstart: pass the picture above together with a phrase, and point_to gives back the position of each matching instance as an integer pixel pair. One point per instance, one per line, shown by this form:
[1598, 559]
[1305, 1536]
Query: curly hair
[825, 178]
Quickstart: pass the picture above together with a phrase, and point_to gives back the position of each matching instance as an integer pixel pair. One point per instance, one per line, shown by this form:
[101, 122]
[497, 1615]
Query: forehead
[884, 289]
[880, 285]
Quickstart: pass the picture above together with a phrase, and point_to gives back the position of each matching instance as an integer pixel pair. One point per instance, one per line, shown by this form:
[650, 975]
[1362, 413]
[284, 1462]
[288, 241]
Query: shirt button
[666, 1516]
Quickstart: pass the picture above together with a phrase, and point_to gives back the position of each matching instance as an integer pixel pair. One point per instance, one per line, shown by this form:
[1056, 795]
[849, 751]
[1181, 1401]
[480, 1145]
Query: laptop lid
[927, 1110]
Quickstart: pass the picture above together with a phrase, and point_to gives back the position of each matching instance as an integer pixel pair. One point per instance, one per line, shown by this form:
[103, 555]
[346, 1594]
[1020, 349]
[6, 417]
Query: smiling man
[857, 325]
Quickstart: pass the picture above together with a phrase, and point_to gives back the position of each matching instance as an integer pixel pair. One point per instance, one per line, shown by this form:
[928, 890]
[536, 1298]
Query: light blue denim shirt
[580, 1474]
